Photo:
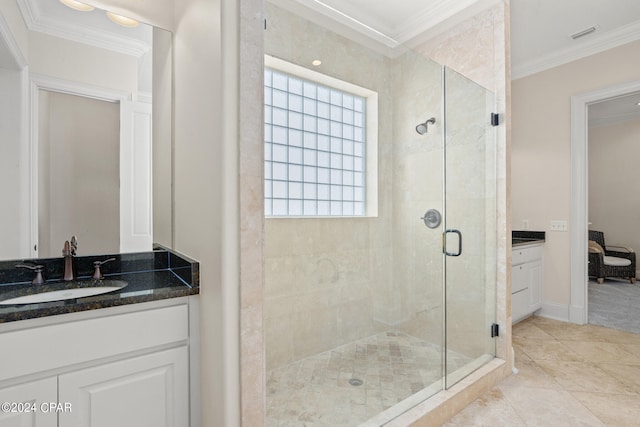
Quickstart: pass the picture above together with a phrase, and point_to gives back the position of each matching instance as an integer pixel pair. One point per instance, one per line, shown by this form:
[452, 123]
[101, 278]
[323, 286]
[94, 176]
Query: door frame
[579, 301]
[39, 82]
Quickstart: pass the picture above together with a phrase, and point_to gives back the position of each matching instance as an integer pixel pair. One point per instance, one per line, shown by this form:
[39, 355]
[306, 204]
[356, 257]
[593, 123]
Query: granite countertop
[149, 276]
[525, 237]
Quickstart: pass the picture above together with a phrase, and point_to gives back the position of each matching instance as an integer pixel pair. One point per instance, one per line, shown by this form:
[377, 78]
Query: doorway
[78, 173]
[134, 162]
[578, 309]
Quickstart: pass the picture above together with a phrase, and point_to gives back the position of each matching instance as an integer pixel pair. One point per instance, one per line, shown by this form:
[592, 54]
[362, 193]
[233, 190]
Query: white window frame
[371, 139]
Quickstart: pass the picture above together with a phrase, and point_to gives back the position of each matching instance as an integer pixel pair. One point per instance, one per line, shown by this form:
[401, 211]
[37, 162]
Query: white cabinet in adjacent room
[527, 277]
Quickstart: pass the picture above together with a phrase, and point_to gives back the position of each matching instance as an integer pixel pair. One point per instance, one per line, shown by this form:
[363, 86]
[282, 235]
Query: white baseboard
[578, 315]
[554, 311]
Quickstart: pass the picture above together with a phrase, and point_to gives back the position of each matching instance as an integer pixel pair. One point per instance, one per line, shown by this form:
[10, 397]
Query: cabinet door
[145, 391]
[519, 305]
[36, 395]
[519, 278]
[534, 273]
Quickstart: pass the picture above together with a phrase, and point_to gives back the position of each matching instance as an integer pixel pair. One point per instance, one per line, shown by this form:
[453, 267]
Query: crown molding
[611, 39]
[8, 44]
[35, 21]
[391, 42]
[347, 20]
[439, 17]
[346, 27]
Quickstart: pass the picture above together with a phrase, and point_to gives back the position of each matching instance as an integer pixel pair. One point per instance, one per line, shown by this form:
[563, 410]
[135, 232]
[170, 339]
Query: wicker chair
[610, 261]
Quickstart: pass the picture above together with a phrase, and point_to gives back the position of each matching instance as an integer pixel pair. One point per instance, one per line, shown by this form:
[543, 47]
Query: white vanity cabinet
[22, 404]
[527, 275]
[101, 368]
[142, 391]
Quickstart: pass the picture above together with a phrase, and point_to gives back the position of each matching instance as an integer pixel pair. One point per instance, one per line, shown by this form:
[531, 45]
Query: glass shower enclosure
[368, 315]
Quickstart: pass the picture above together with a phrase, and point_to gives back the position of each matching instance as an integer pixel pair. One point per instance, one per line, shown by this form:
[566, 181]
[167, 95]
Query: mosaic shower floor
[391, 366]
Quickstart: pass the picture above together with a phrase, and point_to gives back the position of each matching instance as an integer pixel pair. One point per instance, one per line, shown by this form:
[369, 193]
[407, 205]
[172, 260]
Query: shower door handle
[444, 242]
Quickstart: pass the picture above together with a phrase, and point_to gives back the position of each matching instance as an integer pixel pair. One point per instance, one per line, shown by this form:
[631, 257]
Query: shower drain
[355, 381]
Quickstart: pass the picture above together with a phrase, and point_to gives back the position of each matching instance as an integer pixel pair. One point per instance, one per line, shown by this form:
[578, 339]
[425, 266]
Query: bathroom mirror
[85, 131]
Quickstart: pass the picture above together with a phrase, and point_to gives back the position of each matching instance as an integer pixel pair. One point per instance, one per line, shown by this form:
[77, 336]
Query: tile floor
[569, 375]
[316, 390]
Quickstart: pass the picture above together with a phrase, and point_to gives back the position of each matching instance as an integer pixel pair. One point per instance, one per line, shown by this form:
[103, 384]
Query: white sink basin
[63, 294]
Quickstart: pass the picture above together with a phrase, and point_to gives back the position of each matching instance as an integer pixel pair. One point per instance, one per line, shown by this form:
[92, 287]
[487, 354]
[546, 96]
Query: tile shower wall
[332, 281]
[417, 187]
[323, 276]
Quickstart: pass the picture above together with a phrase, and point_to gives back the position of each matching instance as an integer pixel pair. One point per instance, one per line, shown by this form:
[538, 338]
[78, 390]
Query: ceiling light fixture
[583, 32]
[316, 62]
[73, 4]
[122, 20]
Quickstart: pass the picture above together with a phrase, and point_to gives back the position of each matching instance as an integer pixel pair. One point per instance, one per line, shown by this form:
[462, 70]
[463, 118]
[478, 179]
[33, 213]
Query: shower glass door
[470, 226]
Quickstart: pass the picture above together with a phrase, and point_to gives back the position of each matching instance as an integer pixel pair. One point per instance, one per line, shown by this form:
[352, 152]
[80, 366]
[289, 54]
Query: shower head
[422, 127]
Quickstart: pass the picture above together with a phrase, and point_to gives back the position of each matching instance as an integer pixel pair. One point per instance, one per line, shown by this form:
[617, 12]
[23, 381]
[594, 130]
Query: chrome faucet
[68, 252]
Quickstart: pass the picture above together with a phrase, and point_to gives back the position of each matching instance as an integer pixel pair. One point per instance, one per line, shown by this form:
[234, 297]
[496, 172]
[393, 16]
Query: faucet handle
[74, 245]
[38, 279]
[97, 274]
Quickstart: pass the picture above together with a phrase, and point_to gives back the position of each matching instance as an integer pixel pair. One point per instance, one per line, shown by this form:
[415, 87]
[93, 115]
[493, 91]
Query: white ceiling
[540, 29]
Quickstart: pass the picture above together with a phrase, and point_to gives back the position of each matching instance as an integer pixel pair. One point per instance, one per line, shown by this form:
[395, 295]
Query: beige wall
[614, 195]
[541, 162]
[79, 174]
[200, 177]
[79, 62]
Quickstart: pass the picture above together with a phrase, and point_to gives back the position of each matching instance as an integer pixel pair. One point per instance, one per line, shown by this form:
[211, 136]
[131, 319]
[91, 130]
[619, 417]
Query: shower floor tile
[390, 367]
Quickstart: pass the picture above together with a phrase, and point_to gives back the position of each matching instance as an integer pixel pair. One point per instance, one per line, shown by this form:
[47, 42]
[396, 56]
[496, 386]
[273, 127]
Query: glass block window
[315, 148]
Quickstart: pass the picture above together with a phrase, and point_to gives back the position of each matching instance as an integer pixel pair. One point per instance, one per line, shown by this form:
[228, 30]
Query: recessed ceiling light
[583, 32]
[73, 4]
[316, 62]
[122, 20]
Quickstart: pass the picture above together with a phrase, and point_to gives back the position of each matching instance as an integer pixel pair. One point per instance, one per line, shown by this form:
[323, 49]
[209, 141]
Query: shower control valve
[432, 218]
